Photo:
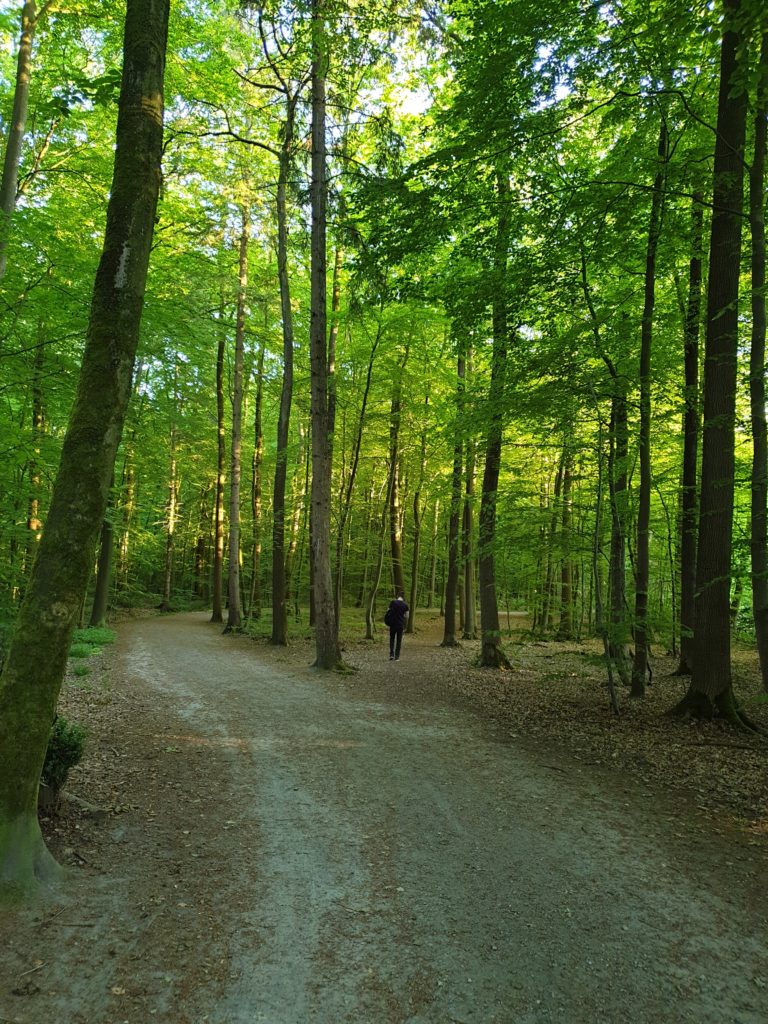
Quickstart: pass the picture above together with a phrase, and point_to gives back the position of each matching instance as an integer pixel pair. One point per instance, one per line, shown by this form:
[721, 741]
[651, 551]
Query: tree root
[724, 707]
[492, 656]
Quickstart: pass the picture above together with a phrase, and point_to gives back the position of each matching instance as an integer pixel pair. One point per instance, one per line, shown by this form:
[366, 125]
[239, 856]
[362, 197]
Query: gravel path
[296, 853]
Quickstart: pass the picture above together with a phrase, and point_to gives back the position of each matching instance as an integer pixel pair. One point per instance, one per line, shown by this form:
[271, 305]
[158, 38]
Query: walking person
[396, 617]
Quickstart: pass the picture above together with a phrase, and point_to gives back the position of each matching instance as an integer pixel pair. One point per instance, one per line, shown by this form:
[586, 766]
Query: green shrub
[81, 670]
[82, 650]
[95, 636]
[65, 750]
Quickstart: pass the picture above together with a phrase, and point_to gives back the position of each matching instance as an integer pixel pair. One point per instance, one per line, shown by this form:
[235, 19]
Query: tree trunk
[711, 689]
[34, 523]
[254, 604]
[376, 578]
[129, 507]
[217, 612]
[103, 573]
[326, 634]
[395, 531]
[565, 628]
[279, 595]
[452, 582]
[170, 521]
[549, 579]
[30, 18]
[491, 652]
[234, 613]
[433, 558]
[367, 548]
[298, 502]
[413, 596]
[467, 541]
[346, 503]
[34, 667]
[618, 444]
[640, 666]
[688, 496]
[759, 524]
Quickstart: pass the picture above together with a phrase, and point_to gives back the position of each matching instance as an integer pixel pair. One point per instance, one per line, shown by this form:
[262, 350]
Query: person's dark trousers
[395, 640]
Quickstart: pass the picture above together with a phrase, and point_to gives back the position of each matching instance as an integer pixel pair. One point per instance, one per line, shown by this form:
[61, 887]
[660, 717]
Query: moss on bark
[25, 863]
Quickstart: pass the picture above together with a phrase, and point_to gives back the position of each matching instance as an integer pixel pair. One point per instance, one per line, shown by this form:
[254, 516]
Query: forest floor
[418, 841]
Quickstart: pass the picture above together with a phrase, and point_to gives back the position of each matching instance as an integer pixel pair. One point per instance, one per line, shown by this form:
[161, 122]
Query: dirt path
[294, 851]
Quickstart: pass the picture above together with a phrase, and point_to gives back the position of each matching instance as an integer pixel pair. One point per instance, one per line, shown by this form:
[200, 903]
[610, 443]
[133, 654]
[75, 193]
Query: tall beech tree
[711, 688]
[688, 494]
[34, 668]
[31, 16]
[234, 603]
[328, 652]
[217, 597]
[642, 554]
[454, 553]
[491, 653]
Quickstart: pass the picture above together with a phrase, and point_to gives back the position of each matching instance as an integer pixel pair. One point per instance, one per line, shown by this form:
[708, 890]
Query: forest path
[297, 852]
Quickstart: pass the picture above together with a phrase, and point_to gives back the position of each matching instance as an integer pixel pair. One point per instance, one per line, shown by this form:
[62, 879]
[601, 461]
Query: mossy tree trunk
[34, 668]
[711, 688]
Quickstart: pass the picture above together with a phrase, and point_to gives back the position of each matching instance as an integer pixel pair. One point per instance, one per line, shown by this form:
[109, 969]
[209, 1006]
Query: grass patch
[82, 650]
[81, 670]
[95, 636]
[89, 641]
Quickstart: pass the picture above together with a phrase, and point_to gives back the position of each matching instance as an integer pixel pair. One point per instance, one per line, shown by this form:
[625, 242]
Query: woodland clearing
[420, 841]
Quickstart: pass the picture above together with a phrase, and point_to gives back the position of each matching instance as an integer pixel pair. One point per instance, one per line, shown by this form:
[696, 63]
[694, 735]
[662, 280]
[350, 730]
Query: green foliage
[89, 641]
[65, 749]
[94, 636]
[81, 670]
[82, 650]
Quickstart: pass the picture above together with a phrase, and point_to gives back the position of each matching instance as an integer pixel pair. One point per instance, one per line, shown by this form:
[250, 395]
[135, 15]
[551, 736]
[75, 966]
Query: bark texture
[711, 683]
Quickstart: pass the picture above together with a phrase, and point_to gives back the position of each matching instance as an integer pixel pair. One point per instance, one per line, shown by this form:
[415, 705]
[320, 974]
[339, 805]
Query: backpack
[388, 617]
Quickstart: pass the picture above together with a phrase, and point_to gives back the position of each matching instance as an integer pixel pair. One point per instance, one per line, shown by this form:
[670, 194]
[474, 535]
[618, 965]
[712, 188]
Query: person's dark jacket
[398, 611]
